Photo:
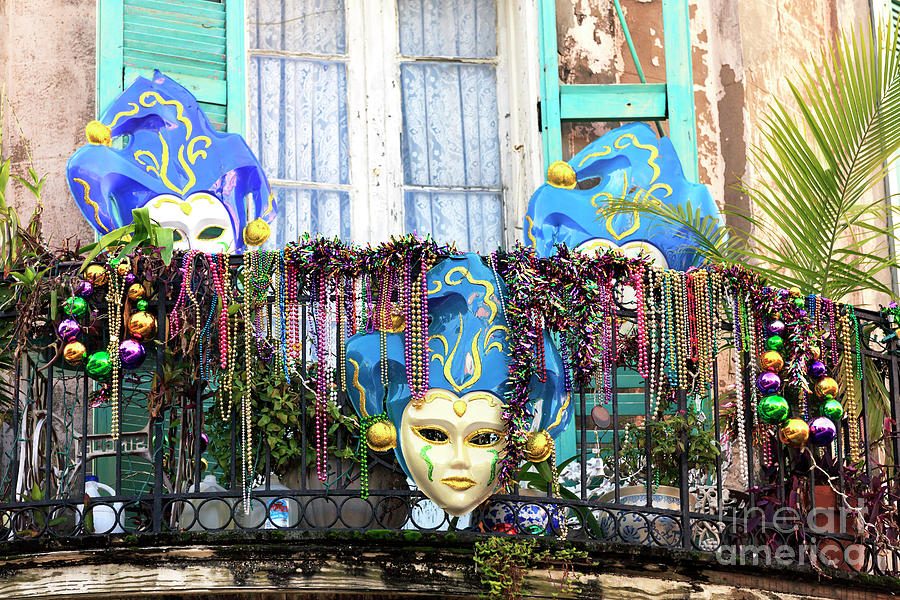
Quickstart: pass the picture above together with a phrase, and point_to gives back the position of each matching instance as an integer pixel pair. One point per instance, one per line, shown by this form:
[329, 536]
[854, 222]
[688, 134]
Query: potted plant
[675, 434]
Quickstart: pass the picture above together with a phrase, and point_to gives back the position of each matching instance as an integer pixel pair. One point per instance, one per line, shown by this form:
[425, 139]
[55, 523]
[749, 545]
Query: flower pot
[321, 511]
[638, 527]
[536, 518]
[832, 517]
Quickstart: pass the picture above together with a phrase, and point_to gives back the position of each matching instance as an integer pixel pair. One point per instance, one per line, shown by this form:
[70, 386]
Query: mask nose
[460, 458]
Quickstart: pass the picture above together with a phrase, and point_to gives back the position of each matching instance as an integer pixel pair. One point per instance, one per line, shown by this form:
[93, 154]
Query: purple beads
[768, 383]
[817, 369]
[68, 329]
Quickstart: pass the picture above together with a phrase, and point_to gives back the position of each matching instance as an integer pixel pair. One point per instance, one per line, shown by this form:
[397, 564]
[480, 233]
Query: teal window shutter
[673, 100]
[199, 43]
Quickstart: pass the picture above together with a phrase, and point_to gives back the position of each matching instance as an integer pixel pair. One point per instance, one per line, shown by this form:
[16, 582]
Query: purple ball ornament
[68, 329]
[84, 289]
[132, 353]
[776, 327]
[768, 383]
[822, 431]
[130, 278]
[817, 369]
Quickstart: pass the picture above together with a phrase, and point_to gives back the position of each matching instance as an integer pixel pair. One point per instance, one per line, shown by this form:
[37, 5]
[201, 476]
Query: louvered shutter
[199, 43]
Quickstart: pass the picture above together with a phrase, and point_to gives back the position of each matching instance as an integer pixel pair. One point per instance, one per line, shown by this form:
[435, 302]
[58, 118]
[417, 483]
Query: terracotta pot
[638, 527]
[322, 511]
[830, 517]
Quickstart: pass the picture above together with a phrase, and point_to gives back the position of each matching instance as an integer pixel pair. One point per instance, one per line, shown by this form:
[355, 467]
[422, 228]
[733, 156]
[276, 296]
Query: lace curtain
[450, 144]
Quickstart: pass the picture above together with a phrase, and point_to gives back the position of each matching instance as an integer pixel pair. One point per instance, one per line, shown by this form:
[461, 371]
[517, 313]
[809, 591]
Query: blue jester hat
[155, 143]
[467, 340]
[627, 162]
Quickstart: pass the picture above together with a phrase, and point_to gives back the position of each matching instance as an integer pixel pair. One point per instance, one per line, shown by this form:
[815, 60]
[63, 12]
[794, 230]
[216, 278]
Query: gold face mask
[452, 447]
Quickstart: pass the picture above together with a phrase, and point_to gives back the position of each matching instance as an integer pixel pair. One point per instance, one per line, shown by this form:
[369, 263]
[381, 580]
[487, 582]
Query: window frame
[375, 127]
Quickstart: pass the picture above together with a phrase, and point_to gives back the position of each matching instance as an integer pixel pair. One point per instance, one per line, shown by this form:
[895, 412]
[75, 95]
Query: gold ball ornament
[96, 274]
[136, 291]
[815, 352]
[795, 292]
[74, 353]
[794, 433]
[826, 386]
[538, 446]
[257, 232]
[561, 174]
[381, 436]
[142, 326]
[98, 134]
[771, 361]
[123, 268]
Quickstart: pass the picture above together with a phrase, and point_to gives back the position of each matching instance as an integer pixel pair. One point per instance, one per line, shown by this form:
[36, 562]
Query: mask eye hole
[177, 236]
[212, 232]
[432, 434]
[588, 183]
[483, 438]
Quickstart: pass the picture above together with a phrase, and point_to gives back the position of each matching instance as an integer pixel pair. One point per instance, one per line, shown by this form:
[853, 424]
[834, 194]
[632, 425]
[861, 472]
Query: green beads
[775, 342]
[833, 410]
[75, 306]
[99, 365]
[773, 409]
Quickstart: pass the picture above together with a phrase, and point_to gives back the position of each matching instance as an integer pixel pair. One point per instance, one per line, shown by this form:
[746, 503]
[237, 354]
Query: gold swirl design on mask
[606, 150]
[437, 288]
[125, 113]
[179, 109]
[447, 361]
[87, 200]
[193, 154]
[529, 234]
[495, 344]
[359, 388]
[270, 207]
[560, 413]
[488, 287]
[631, 140]
[161, 168]
[635, 216]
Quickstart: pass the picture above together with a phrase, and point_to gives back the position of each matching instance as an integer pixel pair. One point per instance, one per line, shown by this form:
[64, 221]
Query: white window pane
[453, 28]
[312, 26]
[450, 125]
[302, 210]
[298, 119]
[474, 220]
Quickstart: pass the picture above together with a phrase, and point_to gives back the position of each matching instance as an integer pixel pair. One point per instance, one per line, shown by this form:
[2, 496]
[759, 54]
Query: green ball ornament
[773, 409]
[775, 343]
[99, 365]
[833, 410]
[142, 304]
[75, 306]
[799, 302]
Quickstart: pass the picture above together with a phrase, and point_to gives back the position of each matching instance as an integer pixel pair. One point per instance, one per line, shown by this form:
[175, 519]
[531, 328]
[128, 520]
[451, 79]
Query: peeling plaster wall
[47, 55]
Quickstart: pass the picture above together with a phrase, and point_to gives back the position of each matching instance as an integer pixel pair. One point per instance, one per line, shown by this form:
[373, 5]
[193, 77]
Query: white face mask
[453, 446]
[201, 222]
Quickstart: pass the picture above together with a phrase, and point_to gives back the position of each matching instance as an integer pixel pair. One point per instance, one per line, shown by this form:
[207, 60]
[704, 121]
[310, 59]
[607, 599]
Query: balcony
[673, 467]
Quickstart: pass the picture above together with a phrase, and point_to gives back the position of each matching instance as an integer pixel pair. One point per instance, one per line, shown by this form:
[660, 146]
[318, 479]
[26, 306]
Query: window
[377, 118]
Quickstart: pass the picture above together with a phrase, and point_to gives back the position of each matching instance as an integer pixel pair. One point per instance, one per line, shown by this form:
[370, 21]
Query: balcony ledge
[382, 564]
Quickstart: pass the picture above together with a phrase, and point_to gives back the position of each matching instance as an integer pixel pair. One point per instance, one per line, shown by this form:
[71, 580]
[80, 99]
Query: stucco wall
[47, 66]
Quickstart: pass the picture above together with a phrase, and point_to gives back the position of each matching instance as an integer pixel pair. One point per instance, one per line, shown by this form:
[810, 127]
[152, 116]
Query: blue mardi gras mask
[155, 148]
[627, 162]
[451, 445]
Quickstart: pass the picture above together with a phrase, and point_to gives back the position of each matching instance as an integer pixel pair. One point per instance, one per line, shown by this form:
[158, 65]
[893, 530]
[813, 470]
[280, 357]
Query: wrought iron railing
[173, 438]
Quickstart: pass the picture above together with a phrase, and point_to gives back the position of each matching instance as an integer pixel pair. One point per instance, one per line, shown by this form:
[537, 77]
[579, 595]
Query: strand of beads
[655, 375]
[219, 275]
[682, 342]
[671, 355]
[422, 315]
[410, 344]
[637, 281]
[740, 396]
[187, 276]
[247, 396]
[114, 293]
[846, 332]
[322, 389]
[282, 314]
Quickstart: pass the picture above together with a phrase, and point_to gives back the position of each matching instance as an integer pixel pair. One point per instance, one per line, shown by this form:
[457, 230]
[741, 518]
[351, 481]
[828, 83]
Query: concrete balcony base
[378, 564]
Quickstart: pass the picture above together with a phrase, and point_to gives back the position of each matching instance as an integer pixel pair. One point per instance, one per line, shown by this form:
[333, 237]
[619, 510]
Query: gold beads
[771, 361]
[538, 446]
[136, 291]
[96, 274]
[826, 386]
[74, 353]
[382, 436]
[142, 326]
[560, 174]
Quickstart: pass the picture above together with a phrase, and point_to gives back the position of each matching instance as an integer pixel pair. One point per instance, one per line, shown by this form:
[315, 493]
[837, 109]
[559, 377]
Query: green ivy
[504, 563]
